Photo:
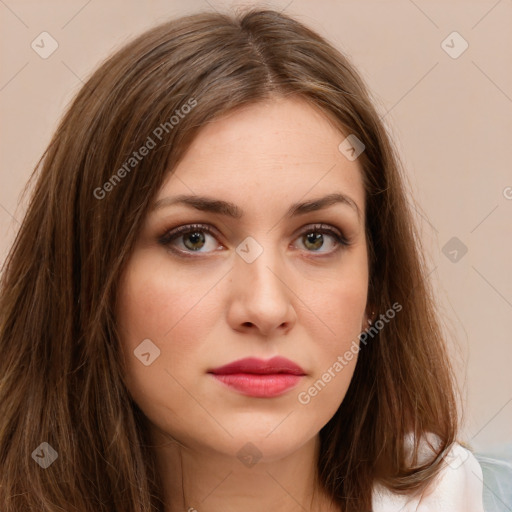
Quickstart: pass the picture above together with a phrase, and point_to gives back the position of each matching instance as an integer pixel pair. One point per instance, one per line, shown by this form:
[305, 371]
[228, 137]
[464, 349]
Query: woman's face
[261, 284]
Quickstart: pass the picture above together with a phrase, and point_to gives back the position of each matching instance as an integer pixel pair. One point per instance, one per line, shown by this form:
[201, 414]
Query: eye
[193, 238]
[313, 239]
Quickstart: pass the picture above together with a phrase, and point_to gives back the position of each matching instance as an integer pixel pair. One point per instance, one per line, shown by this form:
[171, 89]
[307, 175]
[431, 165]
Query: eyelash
[170, 236]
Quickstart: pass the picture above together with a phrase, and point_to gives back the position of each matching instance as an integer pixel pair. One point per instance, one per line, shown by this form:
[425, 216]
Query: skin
[304, 301]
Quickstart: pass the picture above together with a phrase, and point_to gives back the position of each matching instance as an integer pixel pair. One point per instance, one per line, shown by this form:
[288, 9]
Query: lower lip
[260, 386]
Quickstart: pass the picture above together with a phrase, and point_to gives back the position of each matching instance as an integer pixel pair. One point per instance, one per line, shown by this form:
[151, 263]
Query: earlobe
[369, 318]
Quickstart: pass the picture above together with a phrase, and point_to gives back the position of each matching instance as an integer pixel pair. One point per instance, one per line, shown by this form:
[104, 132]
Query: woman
[217, 298]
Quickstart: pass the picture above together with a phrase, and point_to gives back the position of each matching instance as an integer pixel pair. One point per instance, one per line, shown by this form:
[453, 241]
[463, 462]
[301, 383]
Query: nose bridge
[259, 262]
[261, 283]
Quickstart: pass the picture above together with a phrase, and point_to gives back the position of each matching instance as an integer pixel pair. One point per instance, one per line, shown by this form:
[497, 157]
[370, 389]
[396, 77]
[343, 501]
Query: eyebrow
[209, 204]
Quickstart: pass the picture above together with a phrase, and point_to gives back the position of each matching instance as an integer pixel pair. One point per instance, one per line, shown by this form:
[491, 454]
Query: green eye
[195, 237]
[314, 238]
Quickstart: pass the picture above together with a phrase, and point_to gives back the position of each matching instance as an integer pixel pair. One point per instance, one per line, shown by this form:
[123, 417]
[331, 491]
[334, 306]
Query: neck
[203, 480]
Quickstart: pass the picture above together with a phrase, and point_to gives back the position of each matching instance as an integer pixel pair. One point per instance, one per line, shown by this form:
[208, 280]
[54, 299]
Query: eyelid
[169, 235]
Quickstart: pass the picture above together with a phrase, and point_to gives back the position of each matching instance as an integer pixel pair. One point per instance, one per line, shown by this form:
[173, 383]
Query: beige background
[451, 118]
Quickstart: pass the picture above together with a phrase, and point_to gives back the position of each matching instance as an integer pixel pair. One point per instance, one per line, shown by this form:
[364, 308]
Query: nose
[262, 300]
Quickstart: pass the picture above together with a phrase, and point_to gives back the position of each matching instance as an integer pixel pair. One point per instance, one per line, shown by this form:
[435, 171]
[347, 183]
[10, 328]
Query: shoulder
[457, 488]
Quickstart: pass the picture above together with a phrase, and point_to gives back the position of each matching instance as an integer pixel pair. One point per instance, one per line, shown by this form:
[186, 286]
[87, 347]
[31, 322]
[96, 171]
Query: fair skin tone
[302, 298]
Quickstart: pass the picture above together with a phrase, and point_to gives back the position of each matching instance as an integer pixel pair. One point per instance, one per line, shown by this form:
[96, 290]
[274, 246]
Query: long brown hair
[61, 379]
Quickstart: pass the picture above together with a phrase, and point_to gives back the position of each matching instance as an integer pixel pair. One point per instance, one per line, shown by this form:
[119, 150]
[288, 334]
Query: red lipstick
[259, 378]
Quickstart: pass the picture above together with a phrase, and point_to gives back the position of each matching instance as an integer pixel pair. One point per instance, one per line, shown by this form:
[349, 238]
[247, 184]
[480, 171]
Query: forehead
[283, 147]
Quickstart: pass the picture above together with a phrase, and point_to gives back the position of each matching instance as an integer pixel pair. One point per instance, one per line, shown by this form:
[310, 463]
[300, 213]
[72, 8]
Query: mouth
[259, 378]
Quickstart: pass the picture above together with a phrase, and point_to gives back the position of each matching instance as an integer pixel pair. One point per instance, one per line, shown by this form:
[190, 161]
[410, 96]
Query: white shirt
[457, 488]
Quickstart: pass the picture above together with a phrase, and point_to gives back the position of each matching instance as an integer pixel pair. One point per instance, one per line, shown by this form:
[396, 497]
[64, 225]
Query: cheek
[339, 303]
[157, 302]
[339, 340]
[170, 309]
[334, 355]
[338, 306]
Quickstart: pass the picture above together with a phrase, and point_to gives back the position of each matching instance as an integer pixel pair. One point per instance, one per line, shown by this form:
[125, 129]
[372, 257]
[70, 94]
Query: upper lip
[277, 364]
